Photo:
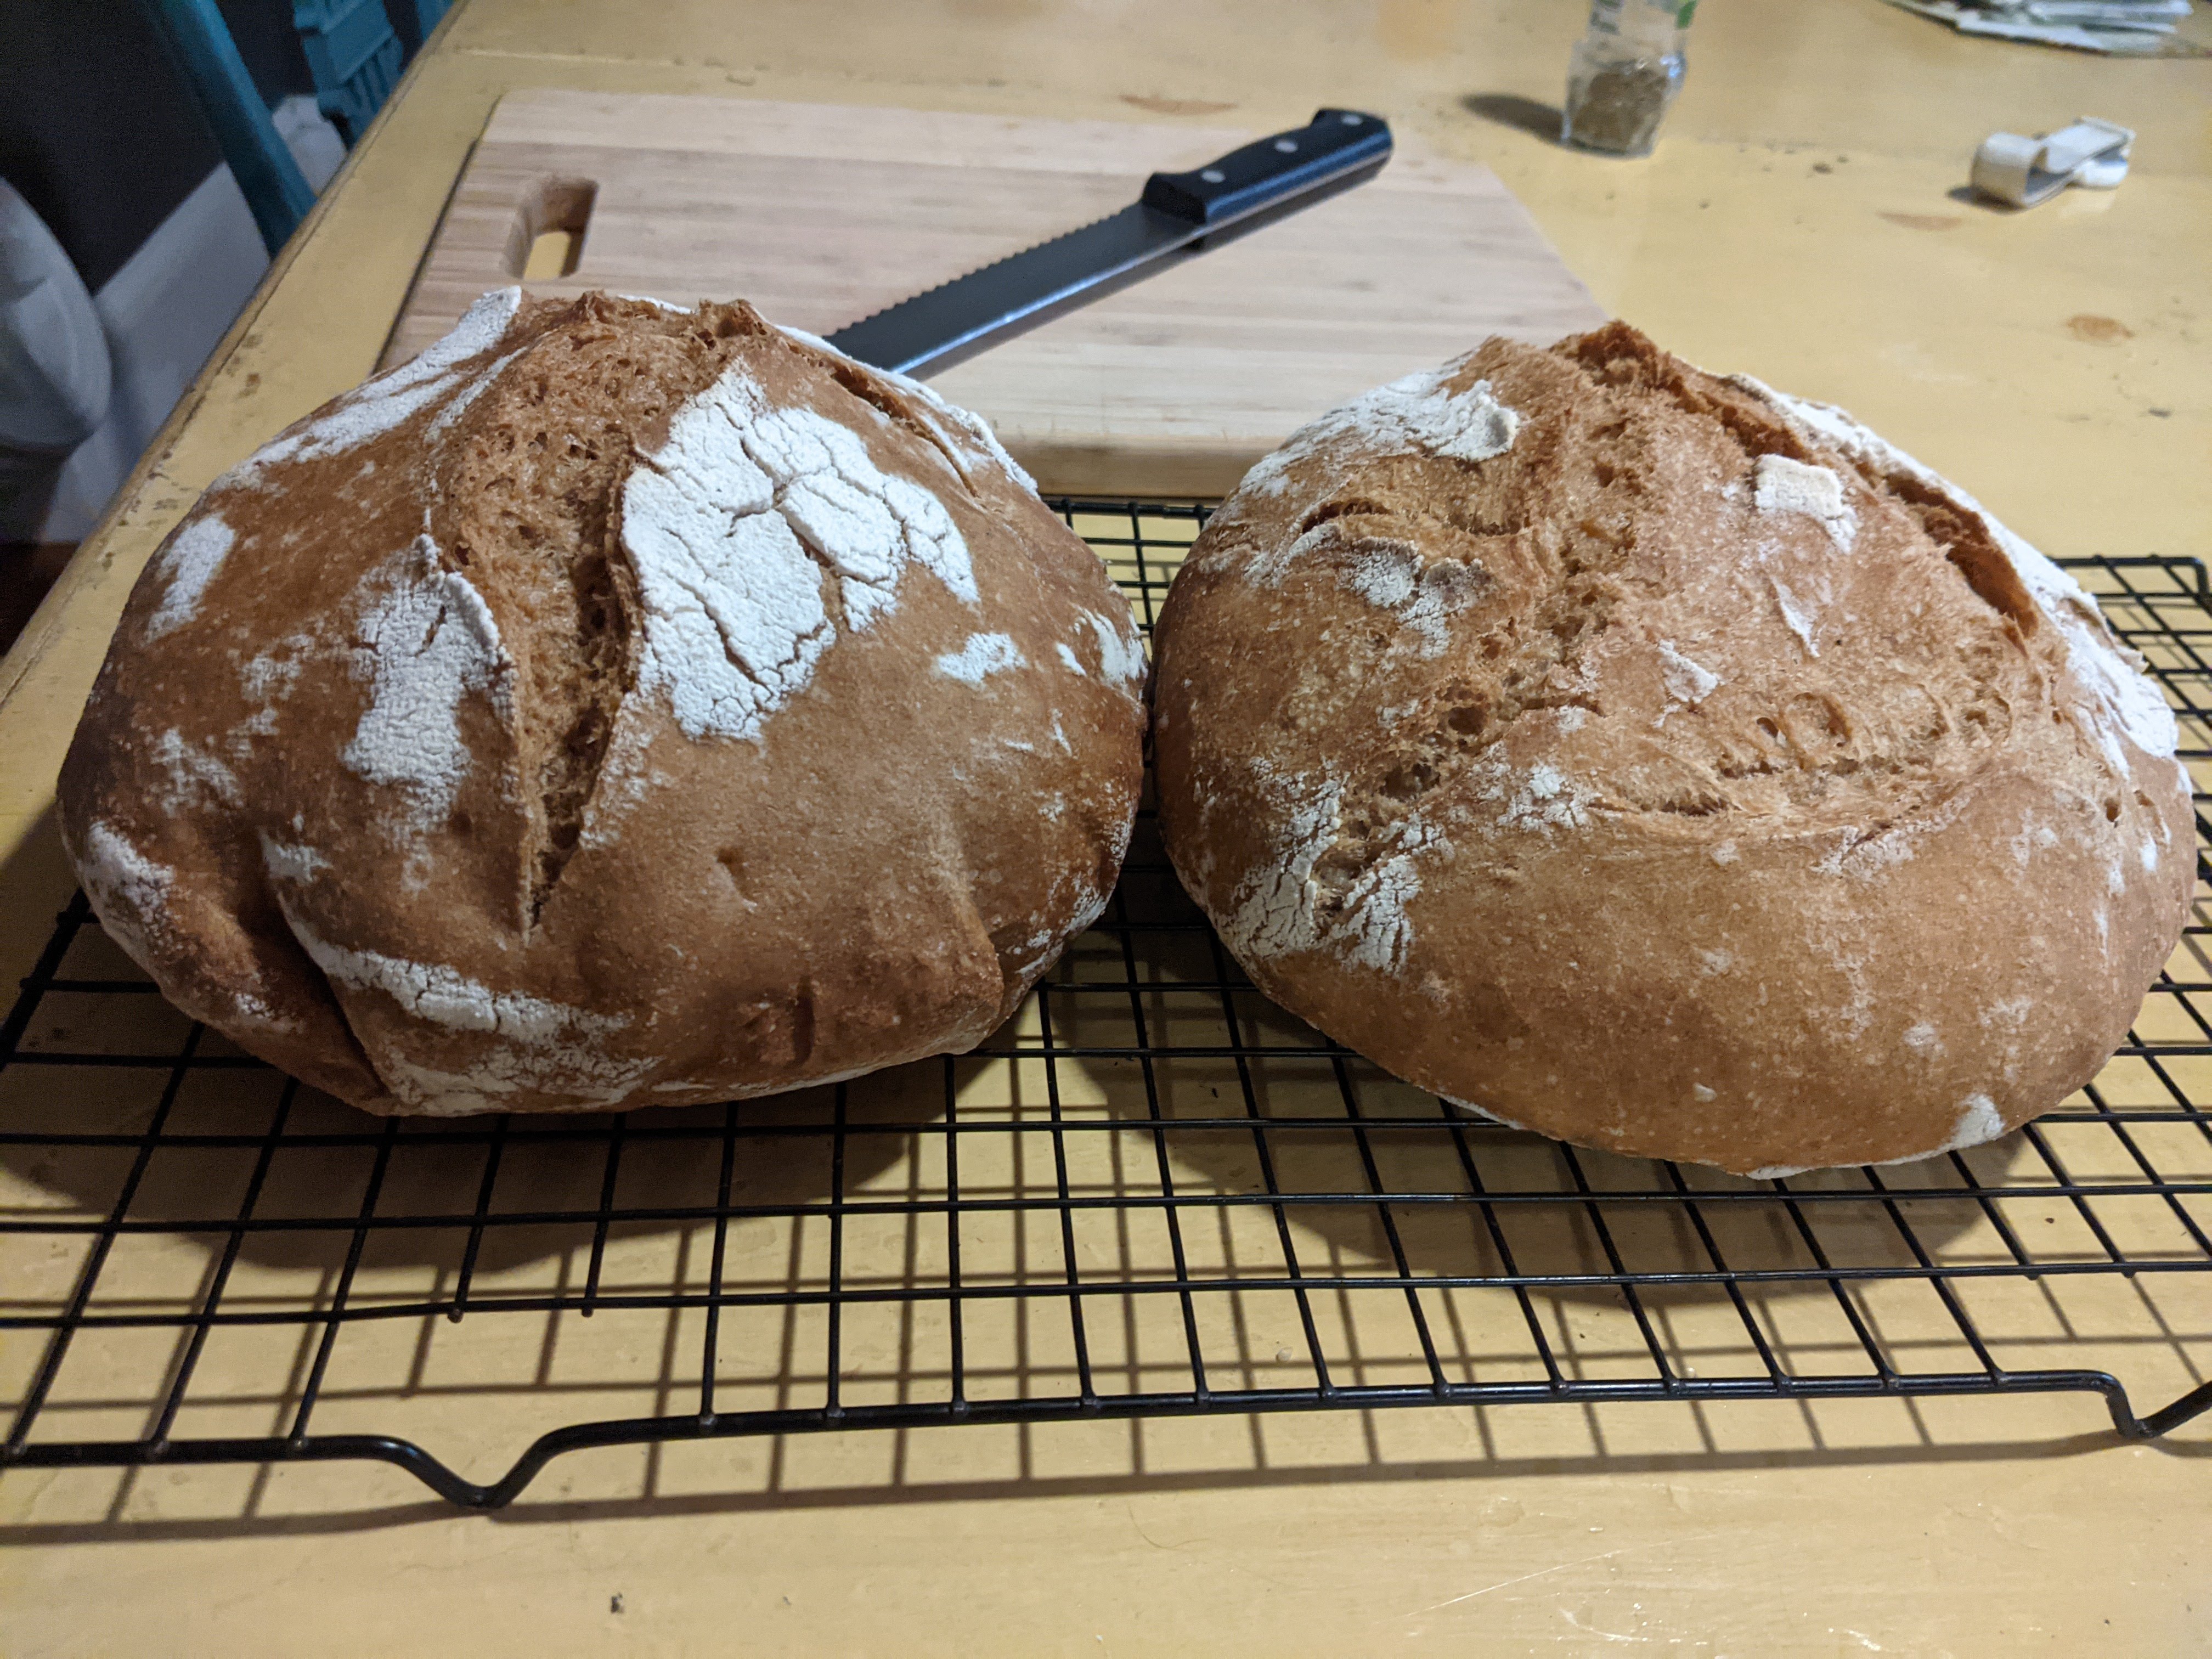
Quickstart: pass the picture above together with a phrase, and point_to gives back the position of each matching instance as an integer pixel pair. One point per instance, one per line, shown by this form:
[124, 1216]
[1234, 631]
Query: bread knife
[1178, 217]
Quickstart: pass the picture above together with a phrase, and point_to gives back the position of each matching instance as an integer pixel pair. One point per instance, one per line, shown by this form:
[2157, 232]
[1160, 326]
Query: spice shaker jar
[1624, 74]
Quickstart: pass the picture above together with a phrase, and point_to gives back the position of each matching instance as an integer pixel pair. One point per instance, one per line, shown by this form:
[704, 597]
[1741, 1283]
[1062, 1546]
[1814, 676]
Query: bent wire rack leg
[651, 1431]
[1128, 996]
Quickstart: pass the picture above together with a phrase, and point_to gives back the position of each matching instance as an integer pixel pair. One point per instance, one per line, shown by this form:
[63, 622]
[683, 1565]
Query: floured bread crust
[615, 705]
[1666, 765]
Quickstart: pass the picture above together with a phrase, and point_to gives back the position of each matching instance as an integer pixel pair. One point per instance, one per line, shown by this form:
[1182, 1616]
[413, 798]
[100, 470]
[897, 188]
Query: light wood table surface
[1801, 221]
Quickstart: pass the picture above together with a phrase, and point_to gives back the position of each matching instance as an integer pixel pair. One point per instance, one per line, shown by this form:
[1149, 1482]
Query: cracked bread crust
[615, 705]
[1689, 774]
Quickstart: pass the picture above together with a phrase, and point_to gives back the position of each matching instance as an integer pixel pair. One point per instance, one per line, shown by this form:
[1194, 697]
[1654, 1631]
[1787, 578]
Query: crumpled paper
[2124, 27]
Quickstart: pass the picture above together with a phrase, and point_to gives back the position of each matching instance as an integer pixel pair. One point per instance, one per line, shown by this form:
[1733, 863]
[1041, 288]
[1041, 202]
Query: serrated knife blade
[1178, 215]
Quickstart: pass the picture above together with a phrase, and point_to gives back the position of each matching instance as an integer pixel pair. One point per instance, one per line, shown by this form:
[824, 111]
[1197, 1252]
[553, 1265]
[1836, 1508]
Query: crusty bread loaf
[1666, 765]
[616, 705]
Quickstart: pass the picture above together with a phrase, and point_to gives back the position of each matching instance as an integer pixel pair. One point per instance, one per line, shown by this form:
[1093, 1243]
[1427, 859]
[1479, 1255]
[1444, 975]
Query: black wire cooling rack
[1152, 1194]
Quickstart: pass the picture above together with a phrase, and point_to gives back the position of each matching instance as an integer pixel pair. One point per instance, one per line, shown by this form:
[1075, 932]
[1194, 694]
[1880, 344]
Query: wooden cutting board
[820, 214]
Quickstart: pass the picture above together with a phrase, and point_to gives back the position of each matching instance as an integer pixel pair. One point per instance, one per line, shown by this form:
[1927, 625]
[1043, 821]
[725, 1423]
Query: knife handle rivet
[1286, 145]
[1212, 175]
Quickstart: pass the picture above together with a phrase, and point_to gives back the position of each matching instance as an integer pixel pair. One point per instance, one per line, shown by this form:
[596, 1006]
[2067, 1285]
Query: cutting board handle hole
[547, 238]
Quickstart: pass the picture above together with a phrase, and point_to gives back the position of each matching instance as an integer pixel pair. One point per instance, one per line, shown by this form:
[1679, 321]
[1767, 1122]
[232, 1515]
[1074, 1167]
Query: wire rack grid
[1152, 1193]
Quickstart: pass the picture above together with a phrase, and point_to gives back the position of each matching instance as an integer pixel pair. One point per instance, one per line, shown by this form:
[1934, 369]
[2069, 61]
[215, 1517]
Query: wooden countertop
[1799, 220]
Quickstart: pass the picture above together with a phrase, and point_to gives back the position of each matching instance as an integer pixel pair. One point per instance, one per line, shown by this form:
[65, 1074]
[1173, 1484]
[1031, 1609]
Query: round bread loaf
[1666, 765]
[616, 705]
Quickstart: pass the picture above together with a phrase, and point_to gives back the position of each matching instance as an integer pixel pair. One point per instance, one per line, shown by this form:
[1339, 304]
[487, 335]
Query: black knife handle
[1340, 141]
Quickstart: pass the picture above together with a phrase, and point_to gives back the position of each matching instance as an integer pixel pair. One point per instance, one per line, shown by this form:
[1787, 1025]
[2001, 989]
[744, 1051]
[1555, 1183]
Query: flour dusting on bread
[444, 996]
[983, 655]
[425, 640]
[186, 564]
[290, 861]
[1417, 410]
[1687, 680]
[1121, 649]
[1796, 615]
[380, 405]
[542, 1046]
[1544, 798]
[129, 893]
[1392, 576]
[1292, 904]
[738, 525]
[195, 775]
[1782, 485]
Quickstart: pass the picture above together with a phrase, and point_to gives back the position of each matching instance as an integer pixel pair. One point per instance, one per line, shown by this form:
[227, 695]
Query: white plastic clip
[2026, 171]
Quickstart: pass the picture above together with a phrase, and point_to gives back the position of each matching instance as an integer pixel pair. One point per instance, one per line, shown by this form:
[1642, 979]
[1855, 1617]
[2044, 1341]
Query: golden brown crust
[1652, 761]
[456, 754]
